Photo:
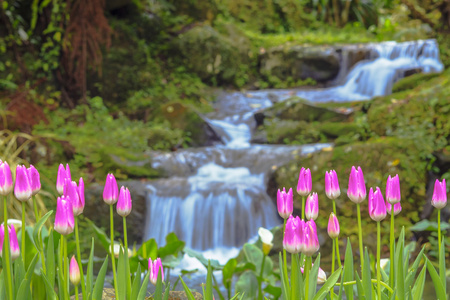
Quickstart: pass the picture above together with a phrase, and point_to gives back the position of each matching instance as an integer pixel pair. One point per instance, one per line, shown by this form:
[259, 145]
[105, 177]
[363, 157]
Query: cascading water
[215, 197]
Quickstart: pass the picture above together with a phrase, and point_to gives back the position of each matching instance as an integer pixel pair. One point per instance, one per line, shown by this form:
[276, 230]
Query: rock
[179, 295]
[321, 63]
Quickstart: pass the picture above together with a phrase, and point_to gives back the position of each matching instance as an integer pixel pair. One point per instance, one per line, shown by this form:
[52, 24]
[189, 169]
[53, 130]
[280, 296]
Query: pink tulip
[293, 235]
[304, 185]
[311, 242]
[397, 208]
[439, 199]
[35, 179]
[377, 206]
[72, 192]
[74, 271]
[64, 219]
[153, 268]
[393, 189]
[111, 191]
[63, 174]
[332, 185]
[124, 203]
[321, 275]
[356, 186]
[285, 203]
[312, 206]
[13, 242]
[6, 183]
[333, 226]
[22, 188]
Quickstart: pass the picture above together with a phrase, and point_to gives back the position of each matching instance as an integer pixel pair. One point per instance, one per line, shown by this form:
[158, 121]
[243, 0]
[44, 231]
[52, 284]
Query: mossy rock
[412, 81]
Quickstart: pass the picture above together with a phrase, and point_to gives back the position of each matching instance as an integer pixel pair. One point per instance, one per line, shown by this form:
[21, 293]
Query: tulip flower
[111, 191]
[124, 202]
[311, 242]
[74, 272]
[312, 206]
[332, 185]
[377, 206]
[22, 188]
[13, 242]
[81, 191]
[266, 238]
[6, 183]
[393, 189]
[64, 218]
[63, 174]
[321, 276]
[153, 268]
[333, 226]
[293, 235]
[397, 208]
[285, 203]
[72, 192]
[35, 180]
[304, 185]
[356, 186]
[439, 199]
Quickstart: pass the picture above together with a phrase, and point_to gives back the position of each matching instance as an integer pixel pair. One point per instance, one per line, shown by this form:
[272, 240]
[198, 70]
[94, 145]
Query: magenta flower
[124, 203]
[293, 235]
[13, 242]
[393, 189]
[356, 186]
[72, 192]
[439, 199]
[6, 183]
[304, 185]
[333, 226]
[285, 203]
[312, 206]
[74, 271]
[111, 191]
[310, 240]
[377, 206]
[35, 179]
[22, 188]
[63, 174]
[64, 219]
[81, 191]
[153, 268]
[321, 275]
[397, 208]
[332, 185]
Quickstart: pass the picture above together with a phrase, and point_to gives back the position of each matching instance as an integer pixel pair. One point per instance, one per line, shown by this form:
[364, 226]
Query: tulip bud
[81, 191]
[74, 271]
[22, 188]
[35, 180]
[377, 206]
[397, 208]
[124, 203]
[312, 206]
[321, 275]
[153, 268]
[356, 186]
[311, 242]
[333, 226]
[304, 185]
[6, 183]
[439, 199]
[266, 239]
[285, 203]
[63, 174]
[64, 219]
[332, 185]
[72, 192]
[393, 189]
[13, 242]
[293, 235]
[111, 191]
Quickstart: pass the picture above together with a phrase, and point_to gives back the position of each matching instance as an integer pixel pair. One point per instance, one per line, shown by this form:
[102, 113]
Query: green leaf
[359, 287]
[19, 273]
[121, 276]
[149, 249]
[101, 236]
[341, 288]
[348, 269]
[313, 277]
[167, 292]
[296, 278]
[440, 291]
[158, 289]
[136, 283]
[413, 270]
[50, 261]
[285, 290]
[173, 246]
[417, 290]
[37, 230]
[209, 287]
[90, 271]
[253, 255]
[366, 276]
[400, 282]
[214, 263]
[427, 225]
[247, 284]
[329, 284]
[143, 290]
[98, 287]
[24, 291]
[51, 295]
[187, 290]
[275, 291]
[442, 265]
[227, 273]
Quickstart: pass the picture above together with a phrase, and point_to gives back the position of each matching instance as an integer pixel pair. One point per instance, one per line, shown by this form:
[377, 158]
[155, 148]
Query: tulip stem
[378, 258]
[77, 242]
[36, 213]
[392, 249]
[9, 288]
[338, 256]
[303, 207]
[347, 283]
[113, 259]
[284, 252]
[65, 267]
[334, 207]
[439, 231]
[76, 292]
[23, 232]
[307, 269]
[260, 295]
[332, 261]
[127, 263]
[361, 252]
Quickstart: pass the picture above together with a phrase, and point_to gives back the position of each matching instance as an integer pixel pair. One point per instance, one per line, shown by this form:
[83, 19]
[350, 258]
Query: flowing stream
[214, 198]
